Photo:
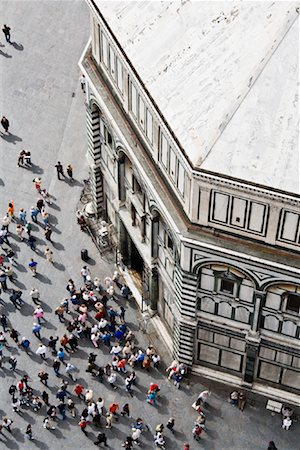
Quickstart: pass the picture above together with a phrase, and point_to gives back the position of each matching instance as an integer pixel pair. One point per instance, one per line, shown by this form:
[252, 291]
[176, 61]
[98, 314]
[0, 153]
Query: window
[104, 49]
[109, 138]
[227, 283]
[227, 286]
[142, 113]
[293, 303]
[134, 96]
[170, 245]
[164, 150]
[181, 179]
[173, 161]
[149, 126]
[112, 62]
[119, 75]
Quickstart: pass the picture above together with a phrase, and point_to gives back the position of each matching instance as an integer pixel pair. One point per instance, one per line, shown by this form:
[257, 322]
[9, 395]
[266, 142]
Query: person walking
[22, 216]
[70, 172]
[19, 232]
[83, 423]
[32, 266]
[3, 321]
[101, 439]
[70, 369]
[38, 314]
[56, 366]
[62, 409]
[125, 410]
[21, 158]
[43, 376]
[34, 213]
[11, 210]
[171, 424]
[28, 228]
[78, 389]
[36, 329]
[9, 272]
[71, 407]
[16, 403]
[48, 233]
[28, 432]
[6, 31]
[35, 295]
[272, 446]
[5, 124]
[49, 255]
[59, 170]
[7, 423]
[286, 423]
[41, 350]
[25, 343]
[13, 363]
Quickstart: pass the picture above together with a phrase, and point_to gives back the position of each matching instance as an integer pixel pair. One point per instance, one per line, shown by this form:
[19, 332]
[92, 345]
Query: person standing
[5, 124]
[272, 446]
[70, 172]
[6, 31]
[59, 170]
[21, 158]
[7, 423]
[28, 432]
[171, 424]
[13, 363]
[82, 82]
[125, 410]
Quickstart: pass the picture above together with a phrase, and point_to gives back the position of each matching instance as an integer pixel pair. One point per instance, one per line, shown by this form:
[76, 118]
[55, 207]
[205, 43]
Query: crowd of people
[92, 310]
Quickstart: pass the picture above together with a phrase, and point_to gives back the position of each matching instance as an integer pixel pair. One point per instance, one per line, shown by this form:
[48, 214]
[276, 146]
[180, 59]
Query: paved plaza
[42, 98]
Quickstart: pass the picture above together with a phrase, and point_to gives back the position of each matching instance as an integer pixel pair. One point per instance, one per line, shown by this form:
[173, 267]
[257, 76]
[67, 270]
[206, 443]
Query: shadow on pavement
[17, 46]
[12, 138]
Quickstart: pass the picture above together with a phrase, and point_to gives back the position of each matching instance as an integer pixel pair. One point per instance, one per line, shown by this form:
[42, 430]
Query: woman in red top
[78, 389]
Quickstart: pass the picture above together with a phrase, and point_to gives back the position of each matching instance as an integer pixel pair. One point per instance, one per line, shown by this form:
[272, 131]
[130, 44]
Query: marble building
[192, 125]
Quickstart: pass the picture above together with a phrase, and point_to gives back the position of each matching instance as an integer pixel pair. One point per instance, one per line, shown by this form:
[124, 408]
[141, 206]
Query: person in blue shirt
[106, 338]
[61, 355]
[36, 330]
[34, 213]
[22, 216]
[32, 266]
[25, 343]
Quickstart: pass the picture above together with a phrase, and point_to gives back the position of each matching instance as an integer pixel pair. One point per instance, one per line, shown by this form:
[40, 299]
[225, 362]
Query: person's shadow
[17, 46]
[12, 138]
[6, 55]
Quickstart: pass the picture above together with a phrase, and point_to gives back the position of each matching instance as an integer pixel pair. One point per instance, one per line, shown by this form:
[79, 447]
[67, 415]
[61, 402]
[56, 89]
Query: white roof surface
[225, 76]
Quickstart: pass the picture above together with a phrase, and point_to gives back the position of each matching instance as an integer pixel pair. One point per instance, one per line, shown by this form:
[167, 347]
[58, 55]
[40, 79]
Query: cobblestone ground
[41, 97]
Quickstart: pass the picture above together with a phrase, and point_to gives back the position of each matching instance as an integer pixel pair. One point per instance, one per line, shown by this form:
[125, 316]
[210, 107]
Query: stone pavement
[41, 96]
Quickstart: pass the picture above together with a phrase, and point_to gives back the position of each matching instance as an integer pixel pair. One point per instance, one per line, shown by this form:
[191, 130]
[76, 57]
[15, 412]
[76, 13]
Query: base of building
[257, 388]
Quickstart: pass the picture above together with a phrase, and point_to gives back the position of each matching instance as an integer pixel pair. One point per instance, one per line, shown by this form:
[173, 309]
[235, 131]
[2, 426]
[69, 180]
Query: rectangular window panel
[209, 354]
[289, 226]
[173, 161]
[104, 49]
[119, 75]
[102, 129]
[181, 179]
[256, 217]
[220, 207]
[164, 150]
[238, 212]
[149, 126]
[231, 361]
[133, 103]
[112, 62]
[141, 112]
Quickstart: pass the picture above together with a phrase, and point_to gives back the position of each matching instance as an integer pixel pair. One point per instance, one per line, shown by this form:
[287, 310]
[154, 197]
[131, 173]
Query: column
[154, 234]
